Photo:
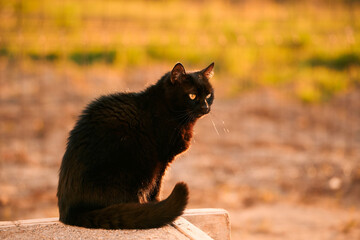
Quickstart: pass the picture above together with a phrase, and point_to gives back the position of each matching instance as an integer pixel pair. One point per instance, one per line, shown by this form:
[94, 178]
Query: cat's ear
[177, 73]
[209, 71]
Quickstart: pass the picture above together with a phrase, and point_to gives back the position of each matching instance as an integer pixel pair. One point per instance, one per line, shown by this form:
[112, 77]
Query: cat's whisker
[213, 123]
[224, 127]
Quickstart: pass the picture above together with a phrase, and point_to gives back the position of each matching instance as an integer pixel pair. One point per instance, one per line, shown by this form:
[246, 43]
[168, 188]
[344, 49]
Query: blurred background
[280, 150]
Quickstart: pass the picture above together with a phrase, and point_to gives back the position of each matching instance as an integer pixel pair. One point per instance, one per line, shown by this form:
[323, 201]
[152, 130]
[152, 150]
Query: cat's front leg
[155, 191]
[154, 194]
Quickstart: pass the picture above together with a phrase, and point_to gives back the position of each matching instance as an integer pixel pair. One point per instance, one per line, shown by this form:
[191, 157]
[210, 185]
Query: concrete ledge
[194, 224]
[213, 221]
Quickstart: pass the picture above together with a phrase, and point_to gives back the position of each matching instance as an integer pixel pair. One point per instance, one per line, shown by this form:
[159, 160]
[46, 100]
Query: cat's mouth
[202, 113]
[205, 110]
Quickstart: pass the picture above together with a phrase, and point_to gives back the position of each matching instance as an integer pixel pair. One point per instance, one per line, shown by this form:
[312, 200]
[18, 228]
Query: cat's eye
[208, 96]
[192, 96]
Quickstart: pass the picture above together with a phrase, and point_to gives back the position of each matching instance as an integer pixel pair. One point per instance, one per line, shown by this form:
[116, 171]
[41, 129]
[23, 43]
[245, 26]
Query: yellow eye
[208, 96]
[192, 96]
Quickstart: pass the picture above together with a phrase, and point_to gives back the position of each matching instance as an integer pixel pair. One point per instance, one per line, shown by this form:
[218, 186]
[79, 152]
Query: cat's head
[191, 94]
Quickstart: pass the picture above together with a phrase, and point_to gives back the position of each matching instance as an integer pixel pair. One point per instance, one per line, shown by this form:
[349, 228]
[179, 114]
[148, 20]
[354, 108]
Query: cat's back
[107, 118]
[119, 105]
[114, 111]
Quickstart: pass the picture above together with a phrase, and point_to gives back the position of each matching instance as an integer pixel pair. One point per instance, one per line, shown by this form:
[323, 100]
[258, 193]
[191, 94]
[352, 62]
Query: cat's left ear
[208, 72]
[177, 73]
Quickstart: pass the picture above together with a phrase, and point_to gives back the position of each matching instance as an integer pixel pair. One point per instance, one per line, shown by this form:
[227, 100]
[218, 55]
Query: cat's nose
[205, 107]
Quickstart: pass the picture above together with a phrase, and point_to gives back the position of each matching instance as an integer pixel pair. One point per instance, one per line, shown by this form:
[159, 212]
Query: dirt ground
[283, 170]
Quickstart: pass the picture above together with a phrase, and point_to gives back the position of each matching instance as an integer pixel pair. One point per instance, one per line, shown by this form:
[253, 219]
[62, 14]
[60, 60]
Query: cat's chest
[176, 141]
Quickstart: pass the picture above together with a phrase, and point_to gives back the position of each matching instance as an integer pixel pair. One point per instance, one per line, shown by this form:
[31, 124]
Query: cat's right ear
[177, 73]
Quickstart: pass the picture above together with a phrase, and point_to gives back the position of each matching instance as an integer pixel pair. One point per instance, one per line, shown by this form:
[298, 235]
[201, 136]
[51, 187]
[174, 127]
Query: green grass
[88, 57]
[309, 49]
[340, 62]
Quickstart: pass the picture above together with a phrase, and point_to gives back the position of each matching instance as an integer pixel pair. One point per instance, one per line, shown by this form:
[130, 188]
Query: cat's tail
[135, 215]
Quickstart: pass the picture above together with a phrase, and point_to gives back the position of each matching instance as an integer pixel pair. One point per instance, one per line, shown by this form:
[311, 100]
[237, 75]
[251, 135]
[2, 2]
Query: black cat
[120, 147]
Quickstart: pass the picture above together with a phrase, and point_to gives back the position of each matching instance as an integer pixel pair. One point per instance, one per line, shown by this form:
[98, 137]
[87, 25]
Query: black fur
[120, 147]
